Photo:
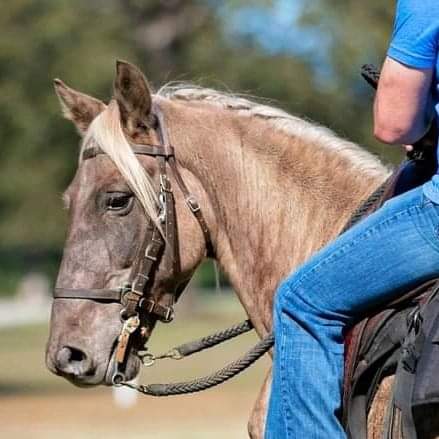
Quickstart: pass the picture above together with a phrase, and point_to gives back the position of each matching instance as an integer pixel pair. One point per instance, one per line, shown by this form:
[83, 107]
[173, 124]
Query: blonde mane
[311, 132]
[106, 132]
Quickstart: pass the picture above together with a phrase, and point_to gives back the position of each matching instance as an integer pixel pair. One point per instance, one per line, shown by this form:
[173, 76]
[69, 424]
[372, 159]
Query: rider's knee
[299, 298]
[290, 297]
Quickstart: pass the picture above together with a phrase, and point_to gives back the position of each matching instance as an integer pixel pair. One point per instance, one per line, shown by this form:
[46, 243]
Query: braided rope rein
[227, 372]
[192, 347]
[197, 385]
[368, 204]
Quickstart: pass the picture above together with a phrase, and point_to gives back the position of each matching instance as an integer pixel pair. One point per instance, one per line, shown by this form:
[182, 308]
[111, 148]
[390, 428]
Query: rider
[392, 250]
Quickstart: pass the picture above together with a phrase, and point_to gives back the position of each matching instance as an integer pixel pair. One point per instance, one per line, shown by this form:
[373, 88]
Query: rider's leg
[374, 262]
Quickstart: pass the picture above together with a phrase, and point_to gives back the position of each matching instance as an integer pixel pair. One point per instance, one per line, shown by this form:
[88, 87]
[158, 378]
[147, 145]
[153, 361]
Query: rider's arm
[403, 109]
[403, 106]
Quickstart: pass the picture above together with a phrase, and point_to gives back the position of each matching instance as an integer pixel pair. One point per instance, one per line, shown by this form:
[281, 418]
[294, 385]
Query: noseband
[136, 297]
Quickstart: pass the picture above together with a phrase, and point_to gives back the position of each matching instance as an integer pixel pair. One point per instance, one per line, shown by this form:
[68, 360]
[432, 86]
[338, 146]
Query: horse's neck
[276, 199]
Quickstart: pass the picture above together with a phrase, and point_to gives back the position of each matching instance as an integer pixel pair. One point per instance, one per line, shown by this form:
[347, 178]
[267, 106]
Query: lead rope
[204, 383]
[187, 349]
[197, 385]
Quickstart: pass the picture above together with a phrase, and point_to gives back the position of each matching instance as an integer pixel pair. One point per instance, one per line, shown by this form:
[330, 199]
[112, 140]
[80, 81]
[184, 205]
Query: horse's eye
[118, 201]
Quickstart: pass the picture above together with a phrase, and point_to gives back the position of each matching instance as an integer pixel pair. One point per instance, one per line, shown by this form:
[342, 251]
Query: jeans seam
[284, 392]
[425, 239]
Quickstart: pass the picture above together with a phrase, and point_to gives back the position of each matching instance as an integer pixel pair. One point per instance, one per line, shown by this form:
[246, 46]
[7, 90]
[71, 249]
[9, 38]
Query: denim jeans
[377, 260]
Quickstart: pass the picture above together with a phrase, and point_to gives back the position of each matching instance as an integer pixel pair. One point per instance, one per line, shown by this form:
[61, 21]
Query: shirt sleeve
[416, 33]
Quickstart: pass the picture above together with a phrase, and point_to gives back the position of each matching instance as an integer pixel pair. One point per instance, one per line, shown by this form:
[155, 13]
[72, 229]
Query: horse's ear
[80, 108]
[133, 95]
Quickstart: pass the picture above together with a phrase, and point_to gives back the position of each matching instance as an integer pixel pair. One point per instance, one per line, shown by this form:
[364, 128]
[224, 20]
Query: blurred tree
[77, 41]
[42, 40]
[186, 40]
[355, 33]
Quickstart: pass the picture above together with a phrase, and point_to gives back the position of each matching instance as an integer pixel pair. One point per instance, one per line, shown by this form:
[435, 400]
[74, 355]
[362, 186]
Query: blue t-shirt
[415, 43]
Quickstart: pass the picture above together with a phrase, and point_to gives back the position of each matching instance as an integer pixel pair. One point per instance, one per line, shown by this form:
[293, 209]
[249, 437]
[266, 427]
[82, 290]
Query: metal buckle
[193, 204]
[170, 314]
[150, 307]
[151, 258]
[165, 184]
[150, 303]
[125, 288]
[118, 379]
[415, 320]
[162, 202]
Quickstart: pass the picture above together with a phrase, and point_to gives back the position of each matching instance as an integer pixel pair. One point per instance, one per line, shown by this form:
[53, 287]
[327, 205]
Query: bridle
[157, 247]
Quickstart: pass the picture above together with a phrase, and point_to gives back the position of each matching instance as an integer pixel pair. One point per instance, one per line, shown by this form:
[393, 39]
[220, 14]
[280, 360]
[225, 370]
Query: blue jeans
[377, 260]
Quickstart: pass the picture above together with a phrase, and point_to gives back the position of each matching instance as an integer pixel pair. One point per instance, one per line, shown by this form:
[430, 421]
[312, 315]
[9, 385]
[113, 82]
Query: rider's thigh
[376, 261]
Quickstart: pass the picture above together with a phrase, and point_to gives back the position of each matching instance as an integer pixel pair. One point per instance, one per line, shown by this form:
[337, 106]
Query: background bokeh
[304, 56]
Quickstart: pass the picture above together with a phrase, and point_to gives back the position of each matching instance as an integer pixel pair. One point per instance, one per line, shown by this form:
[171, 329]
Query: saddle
[401, 339]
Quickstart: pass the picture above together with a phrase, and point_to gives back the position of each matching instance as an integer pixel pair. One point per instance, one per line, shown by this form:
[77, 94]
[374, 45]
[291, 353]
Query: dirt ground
[213, 415]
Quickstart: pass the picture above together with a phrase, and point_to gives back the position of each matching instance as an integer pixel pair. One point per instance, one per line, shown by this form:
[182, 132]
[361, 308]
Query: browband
[151, 150]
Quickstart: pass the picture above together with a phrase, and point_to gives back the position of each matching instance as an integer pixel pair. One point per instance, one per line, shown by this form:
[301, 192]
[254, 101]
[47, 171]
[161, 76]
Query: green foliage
[42, 40]
[357, 33]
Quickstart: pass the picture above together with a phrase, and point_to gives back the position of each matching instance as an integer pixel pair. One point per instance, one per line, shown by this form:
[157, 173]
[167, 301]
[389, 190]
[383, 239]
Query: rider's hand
[408, 148]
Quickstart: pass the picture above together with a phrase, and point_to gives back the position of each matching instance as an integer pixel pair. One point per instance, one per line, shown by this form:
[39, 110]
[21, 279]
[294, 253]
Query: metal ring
[123, 315]
[118, 379]
[169, 317]
[148, 360]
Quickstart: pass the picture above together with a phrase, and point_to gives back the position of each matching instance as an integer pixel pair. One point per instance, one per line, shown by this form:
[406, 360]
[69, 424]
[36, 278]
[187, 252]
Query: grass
[31, 399]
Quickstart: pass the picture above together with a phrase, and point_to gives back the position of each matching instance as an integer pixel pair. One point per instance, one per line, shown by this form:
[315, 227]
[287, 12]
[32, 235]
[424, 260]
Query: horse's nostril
[69, 354]
[76, 355]
[72, 361]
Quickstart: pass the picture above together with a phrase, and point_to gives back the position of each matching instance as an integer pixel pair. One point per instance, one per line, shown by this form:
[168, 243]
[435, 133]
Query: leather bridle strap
[119, 296]
[91, 294]
[193, 205]
[151, 150]
[190, 200]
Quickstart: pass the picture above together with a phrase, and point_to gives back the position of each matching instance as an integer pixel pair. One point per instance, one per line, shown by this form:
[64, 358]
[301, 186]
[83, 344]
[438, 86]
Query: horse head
[117, 204]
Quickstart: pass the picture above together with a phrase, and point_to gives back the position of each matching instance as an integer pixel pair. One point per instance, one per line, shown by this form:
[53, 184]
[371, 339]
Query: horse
[273, 189]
